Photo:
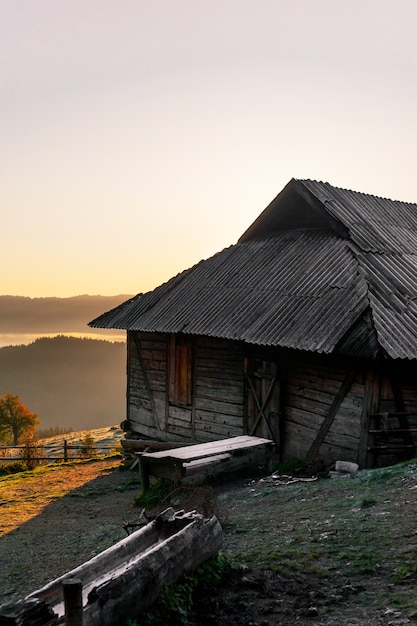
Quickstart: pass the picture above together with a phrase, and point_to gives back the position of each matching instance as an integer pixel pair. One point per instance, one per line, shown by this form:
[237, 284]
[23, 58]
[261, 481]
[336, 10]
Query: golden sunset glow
[140, 137]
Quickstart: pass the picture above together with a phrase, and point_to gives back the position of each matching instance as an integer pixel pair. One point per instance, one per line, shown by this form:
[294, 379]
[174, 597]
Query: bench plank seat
[173, 464]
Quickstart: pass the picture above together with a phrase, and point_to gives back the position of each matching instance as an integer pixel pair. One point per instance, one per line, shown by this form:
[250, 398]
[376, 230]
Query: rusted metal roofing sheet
[350, 287]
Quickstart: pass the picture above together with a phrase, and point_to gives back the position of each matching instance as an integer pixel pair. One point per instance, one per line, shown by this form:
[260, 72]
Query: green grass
[158, 492]
[325, 525]
[175, 602]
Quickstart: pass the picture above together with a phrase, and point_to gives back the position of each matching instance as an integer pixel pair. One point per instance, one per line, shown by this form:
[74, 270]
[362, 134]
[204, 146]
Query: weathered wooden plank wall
[147, 378]
[219, 395]
[310, 386]
[406, 375]
[218, 399]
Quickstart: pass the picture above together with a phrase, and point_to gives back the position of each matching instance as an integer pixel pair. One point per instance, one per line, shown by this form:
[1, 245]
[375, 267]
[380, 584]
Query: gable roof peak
[322, 269]
[295, 207]
[305, 203]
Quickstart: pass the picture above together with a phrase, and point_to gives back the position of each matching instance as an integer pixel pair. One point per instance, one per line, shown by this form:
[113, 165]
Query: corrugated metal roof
[306, 289]
[299, 290]
[392, 288]
[374, 224]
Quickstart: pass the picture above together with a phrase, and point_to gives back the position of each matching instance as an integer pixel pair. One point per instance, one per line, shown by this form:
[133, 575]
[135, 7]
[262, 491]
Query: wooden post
[73, 601]
[144, 472]
[65, 450]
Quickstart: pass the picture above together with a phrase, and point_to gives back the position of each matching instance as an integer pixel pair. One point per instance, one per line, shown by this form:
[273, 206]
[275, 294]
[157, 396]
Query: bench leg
[144, 473]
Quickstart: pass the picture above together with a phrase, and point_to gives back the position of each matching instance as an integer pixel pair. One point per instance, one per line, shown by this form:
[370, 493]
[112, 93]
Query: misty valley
[71, 377]
[70, 382]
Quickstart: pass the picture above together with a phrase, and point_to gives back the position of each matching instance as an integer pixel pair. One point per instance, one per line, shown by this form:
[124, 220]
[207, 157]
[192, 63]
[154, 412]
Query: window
[180, 370]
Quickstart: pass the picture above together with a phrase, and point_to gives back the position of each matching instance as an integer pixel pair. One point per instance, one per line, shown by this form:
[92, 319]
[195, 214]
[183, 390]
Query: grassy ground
[320, 553]
[357, 526]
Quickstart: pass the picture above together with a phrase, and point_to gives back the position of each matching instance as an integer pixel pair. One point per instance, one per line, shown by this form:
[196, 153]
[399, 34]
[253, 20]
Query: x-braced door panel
[262, 399]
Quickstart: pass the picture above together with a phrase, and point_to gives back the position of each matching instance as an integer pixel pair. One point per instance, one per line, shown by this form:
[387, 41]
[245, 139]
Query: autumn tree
[15, 418]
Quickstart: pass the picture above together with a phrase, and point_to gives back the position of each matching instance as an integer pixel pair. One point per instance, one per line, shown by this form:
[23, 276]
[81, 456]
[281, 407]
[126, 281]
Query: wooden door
[262, 399]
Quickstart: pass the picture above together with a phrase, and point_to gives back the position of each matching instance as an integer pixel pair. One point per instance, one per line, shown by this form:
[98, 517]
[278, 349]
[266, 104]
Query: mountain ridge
[68, 381]
[24, 315]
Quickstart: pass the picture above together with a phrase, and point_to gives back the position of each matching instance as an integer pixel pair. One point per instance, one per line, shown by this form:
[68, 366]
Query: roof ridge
[350, 190]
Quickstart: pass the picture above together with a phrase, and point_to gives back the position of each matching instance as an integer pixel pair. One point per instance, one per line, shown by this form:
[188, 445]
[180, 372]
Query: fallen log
[128, 577]
[27, 612]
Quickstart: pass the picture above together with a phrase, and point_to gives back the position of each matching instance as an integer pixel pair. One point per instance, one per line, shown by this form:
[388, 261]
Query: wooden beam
[327, 422]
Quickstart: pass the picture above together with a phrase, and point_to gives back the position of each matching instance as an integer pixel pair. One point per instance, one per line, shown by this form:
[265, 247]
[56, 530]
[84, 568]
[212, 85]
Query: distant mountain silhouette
[19, 314]
[69, 382]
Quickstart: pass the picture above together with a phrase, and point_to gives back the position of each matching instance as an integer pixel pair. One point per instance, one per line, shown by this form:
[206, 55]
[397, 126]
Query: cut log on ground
[27, 612]
[128, 577]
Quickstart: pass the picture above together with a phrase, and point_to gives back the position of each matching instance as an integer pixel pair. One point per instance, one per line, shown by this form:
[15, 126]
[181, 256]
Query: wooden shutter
[180, 388]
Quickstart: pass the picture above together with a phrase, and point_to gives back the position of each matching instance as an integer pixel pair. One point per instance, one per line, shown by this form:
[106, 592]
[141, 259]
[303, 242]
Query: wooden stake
[73, 601]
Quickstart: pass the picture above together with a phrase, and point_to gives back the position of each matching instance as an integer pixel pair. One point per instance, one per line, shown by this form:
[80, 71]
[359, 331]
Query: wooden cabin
[304, 331]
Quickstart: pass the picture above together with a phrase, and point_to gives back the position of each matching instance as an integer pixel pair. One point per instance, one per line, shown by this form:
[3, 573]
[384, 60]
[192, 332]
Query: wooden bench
[194, 463]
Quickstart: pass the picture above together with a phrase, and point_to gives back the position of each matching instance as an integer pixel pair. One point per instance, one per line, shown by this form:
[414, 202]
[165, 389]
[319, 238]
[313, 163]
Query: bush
[12, 467]
[87, 447]
[33, 453]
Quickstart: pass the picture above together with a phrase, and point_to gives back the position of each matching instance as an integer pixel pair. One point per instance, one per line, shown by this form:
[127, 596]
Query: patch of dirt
[326, 553]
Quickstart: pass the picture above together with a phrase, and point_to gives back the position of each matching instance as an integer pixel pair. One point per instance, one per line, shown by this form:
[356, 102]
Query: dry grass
[24, 495]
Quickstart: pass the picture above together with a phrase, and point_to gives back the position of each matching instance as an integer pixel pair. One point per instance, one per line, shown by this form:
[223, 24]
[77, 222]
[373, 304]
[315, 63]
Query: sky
[139, 136]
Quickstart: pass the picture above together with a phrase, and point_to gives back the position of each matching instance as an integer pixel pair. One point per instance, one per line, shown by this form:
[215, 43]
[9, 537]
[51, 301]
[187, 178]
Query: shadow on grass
[65, 527]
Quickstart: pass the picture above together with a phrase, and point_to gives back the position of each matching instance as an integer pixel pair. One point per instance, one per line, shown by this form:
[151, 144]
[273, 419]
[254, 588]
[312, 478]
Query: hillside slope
[319, 553]
[69, 382]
